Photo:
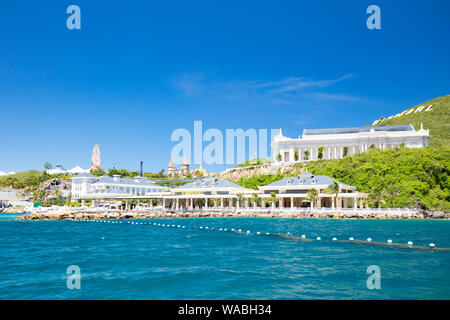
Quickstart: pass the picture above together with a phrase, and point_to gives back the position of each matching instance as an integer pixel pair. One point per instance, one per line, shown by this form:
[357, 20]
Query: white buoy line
[247, 232]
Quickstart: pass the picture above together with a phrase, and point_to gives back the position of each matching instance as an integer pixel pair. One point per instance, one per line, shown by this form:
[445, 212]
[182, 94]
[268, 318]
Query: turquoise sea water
[132, 261]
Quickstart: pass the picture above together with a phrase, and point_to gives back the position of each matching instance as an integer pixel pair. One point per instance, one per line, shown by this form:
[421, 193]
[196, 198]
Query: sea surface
[142, 261]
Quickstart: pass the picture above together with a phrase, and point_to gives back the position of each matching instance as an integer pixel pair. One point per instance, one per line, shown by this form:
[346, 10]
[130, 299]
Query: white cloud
[6, 174]
[287, 90]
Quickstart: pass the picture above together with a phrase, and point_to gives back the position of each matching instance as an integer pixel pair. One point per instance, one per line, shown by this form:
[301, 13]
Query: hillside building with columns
[337, 143]
[213, 193]
[208, 192]
[292, 192]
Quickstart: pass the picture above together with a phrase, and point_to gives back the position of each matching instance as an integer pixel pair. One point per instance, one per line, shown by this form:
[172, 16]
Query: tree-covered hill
[437, 119]
[23, 177]
[407, 177]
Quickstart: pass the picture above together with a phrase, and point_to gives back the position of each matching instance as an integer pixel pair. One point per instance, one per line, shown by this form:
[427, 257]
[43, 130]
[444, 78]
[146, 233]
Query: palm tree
[320, 153]
[377, 197]
[48, 166]
[333, 188]
[306, 157]
[272, 199]
[312, 196]
[240, 196]
[58, 195]
[345, 153]
[255, 199]
[39, 195]
[393, 191]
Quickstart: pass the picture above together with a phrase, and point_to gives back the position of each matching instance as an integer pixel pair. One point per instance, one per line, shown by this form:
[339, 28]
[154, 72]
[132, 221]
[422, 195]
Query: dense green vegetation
[395, 177]
[259, 180]
[437, 120]
[28, 180]
[253, 162]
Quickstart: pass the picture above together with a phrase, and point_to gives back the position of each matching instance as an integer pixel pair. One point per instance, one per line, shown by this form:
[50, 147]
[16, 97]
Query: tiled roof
[84, 175]
[304, 179]
[309, 132]
[125, 181]
[210, 183]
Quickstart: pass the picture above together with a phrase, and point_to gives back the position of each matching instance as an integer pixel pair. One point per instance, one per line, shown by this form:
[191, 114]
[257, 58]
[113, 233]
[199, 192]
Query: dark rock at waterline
[436, 214]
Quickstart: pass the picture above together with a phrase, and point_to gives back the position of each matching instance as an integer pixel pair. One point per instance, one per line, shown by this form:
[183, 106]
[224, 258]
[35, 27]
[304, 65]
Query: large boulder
[438, 215]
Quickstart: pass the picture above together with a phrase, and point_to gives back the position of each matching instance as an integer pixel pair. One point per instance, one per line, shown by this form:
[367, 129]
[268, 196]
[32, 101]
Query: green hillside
[437, 120]
[30, 180]
[407, 177]
[23, 175]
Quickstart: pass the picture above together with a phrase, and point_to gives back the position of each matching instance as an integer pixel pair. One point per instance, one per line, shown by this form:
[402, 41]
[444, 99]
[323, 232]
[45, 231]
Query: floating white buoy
[410, 243]
[201, 227]
[288, 233]
[179, 226]
[206, 227]
[351, 239]
[431, 245]
[369, 239]
[267, 233]
[318, 238]
[173, 226]
[258, 233]
[225, 229]
[303, 236]
[183, 227]
[220, 229]
[389, 241]
[232, 229]
[240, 230]
[248, 231]
[334, 239]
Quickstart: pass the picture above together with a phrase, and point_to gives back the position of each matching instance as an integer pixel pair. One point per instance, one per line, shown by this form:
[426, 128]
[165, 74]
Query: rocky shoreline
[153, 214]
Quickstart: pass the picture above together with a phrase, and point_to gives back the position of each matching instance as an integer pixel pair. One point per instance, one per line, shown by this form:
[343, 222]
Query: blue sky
[137, 70]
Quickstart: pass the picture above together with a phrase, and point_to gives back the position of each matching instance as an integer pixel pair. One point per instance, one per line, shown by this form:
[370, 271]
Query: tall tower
[185, 166]
[96, 157]
[171, 167]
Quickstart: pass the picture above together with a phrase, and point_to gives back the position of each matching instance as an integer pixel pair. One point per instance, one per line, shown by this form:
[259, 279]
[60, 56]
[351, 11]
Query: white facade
[355, 140]
[86, 186]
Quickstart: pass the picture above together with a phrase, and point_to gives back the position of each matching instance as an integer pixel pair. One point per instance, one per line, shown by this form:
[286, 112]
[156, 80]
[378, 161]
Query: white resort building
[337, 143]
[213, 193]
[86, 186]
